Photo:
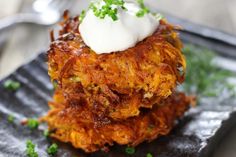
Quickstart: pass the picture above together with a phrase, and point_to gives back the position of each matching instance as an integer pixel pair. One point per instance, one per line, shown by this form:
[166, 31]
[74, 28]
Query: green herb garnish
[55, 84]
[109, 8]
[52, 150]
[32, 123]
[149, 155]
[130, 150]
[11, 85]
[203, 77]
[30, 149]
[158, 16]
[82, 15]
[144, 10]
[10, 118]
[46, 133]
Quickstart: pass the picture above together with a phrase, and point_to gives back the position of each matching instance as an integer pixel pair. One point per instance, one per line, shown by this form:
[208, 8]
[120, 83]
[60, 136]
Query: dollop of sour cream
[106, 35]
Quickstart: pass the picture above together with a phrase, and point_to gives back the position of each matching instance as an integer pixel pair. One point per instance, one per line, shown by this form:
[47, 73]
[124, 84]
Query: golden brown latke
[117, 85]
[70, 123]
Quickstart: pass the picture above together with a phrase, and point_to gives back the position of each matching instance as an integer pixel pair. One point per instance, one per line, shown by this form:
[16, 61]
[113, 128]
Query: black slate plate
[196, 134]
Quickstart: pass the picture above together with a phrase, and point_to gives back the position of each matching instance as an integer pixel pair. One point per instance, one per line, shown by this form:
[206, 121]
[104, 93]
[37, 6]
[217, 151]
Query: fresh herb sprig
[203, 77]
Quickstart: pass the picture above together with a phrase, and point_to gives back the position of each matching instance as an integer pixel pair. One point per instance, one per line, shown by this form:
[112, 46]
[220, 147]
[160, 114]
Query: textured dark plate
[196, 134]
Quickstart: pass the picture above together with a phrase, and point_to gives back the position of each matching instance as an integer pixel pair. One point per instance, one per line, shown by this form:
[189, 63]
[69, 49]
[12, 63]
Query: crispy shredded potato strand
[73, 124]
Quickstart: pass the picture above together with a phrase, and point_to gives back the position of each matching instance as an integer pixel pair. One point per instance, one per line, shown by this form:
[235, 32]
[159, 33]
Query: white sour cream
[106, 35]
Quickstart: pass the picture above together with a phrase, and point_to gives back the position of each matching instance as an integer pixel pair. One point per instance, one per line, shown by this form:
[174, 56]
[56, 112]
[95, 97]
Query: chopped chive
[82, 15]
[11, 85]
[109, 8]
[149, 155]
[158, 16]
[144, 10]
[10, 118]
[52, 150]
[46, 133]
[32, 123]
[30, 149]
[55, 84]
[140, 13]
[130, 150]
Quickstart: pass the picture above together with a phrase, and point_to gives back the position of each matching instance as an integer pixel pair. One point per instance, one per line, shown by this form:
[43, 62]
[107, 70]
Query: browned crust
[70, 124]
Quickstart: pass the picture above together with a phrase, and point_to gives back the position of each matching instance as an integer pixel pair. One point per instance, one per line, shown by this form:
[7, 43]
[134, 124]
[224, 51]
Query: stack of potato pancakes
[124, 97]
